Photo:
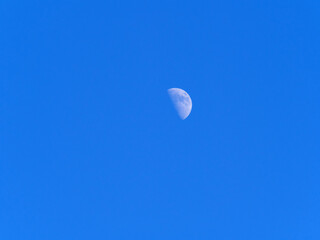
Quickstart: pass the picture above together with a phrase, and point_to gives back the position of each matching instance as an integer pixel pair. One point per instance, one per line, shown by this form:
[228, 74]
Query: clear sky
[92, 148]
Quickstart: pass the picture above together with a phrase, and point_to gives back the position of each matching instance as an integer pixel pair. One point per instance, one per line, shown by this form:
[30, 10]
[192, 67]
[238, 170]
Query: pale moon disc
[181, 101]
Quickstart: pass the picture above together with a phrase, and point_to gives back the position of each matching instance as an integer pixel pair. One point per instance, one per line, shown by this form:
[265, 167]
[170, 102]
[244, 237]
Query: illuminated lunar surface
[181, 101]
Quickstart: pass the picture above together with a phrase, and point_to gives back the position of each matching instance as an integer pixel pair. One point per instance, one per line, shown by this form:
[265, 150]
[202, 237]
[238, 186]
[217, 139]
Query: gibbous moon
[181, 101]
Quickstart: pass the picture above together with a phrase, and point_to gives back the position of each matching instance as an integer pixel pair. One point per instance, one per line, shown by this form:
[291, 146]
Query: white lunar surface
[181, 101]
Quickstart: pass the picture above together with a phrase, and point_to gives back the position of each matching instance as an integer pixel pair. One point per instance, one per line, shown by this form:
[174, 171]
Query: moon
[181, 102]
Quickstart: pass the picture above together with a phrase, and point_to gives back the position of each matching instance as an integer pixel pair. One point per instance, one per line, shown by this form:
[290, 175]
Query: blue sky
[91, 147]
